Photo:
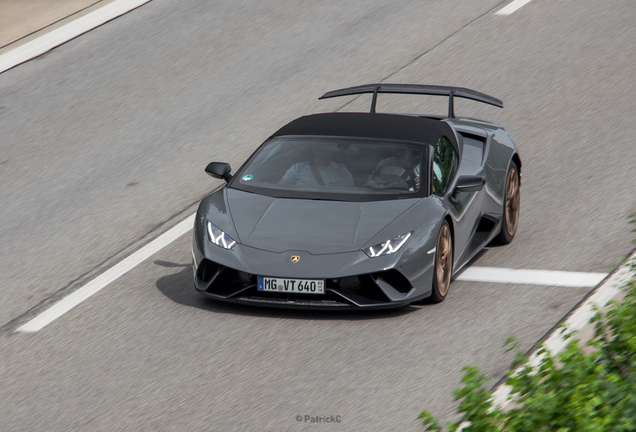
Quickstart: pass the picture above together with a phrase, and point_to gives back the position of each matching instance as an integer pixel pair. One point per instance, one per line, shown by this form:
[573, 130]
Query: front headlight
[219, 238]
[388, 247]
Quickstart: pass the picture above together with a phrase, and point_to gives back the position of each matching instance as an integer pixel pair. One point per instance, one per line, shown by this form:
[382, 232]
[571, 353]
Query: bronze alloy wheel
[443, 260]
[512, 201]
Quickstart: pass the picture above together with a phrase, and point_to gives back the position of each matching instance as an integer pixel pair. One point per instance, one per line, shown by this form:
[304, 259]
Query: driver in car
[405, 164]
[319, 170]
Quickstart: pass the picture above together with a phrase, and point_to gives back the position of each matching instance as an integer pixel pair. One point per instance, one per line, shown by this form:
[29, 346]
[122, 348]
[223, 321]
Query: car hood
[314, 226]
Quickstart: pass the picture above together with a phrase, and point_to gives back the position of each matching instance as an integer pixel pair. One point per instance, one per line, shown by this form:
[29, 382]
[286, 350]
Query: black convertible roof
[368, 125]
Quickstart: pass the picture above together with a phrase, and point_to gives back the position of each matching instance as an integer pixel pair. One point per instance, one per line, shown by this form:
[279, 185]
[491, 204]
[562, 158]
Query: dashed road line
[512, 7]
[69, 31]
[76, 297]
[531, 277]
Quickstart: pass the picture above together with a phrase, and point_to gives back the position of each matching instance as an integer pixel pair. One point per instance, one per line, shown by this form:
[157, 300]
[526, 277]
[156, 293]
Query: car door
[464, 207]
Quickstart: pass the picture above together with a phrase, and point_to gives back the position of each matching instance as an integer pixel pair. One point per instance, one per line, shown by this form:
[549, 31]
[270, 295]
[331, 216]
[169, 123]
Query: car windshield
[333, 168]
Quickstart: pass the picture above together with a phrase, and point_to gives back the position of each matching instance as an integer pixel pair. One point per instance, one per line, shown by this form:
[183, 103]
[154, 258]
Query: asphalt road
[103, 142]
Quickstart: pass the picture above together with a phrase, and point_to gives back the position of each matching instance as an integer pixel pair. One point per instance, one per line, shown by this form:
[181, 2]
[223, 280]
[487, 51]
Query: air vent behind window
[473, 148]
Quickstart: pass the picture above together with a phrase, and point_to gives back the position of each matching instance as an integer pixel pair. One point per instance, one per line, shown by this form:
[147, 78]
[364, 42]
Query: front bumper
[352, 279]
[365, 291]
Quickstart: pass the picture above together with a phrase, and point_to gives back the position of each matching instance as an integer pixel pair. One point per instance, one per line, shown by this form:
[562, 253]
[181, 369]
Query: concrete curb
[61, 35]
[577, 320]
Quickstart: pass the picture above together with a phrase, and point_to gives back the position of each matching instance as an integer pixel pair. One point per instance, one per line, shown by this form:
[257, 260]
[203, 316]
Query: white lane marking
[69, 31]
[555, 342]
[531, 277]
[512, 7]
[110, 275]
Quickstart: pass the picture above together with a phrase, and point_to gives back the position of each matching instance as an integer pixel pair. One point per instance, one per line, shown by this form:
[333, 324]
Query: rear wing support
[431, 90]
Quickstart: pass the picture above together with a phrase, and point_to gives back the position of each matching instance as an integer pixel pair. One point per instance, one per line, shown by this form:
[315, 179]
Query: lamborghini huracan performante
[359, 210]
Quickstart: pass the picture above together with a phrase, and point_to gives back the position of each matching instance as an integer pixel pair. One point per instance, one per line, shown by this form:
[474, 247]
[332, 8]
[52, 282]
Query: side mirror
[469, 183]
[219, 170]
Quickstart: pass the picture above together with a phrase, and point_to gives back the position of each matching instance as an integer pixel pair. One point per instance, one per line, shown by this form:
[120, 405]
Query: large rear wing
[432, 90]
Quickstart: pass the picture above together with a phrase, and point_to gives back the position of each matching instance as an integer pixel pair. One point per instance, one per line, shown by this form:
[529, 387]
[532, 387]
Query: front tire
[512, 199]
[443, 266]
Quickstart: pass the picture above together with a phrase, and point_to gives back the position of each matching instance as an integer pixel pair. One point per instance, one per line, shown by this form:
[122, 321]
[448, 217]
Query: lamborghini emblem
[295, 258]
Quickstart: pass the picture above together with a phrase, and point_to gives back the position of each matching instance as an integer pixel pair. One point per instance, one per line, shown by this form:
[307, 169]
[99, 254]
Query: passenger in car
[319, 170]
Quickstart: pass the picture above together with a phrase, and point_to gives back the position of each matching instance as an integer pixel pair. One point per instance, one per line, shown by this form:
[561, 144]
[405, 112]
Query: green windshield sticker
[247, 177]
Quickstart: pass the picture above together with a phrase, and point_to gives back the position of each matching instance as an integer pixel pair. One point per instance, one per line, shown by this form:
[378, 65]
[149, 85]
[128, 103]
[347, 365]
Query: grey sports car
[359, 210]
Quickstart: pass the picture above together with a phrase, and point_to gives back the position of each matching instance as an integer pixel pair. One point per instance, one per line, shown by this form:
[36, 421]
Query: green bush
[589, 388]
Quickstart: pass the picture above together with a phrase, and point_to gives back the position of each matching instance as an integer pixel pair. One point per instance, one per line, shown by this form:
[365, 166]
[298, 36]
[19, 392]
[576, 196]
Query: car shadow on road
[179, 288]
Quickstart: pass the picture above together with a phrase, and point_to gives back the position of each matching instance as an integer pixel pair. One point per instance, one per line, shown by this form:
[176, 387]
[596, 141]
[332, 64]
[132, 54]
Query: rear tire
[443, 265]
[512, 199]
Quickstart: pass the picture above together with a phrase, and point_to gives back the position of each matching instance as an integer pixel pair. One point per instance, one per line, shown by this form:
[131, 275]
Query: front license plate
[301, 286]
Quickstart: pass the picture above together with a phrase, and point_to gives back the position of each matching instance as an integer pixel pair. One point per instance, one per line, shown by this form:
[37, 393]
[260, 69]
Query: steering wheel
[387, 181]
[392, 181]
[406, 167]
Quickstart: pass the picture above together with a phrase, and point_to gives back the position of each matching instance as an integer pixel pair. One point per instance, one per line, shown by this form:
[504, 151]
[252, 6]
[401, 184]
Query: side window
[444, 166]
